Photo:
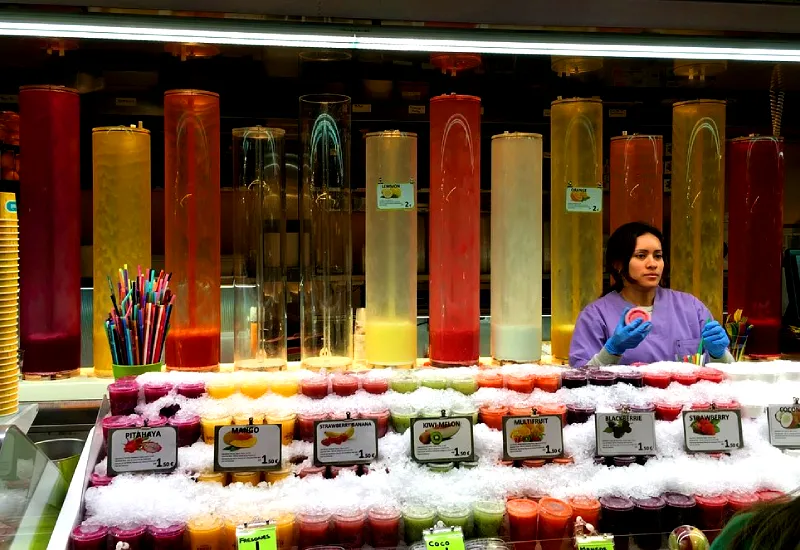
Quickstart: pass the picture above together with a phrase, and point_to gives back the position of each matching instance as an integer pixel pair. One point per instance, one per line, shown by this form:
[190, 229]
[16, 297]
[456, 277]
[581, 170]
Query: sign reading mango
[247, 448]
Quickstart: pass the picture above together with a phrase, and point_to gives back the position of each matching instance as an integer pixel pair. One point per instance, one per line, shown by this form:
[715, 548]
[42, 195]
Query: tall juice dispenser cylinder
[50, 224]
[755, 237]
[698, 200]
[326, 326]
[454, 230]
[259, 249]
[391, 270]
[121, 206]
[516, 247]
[192, 227]
[576, 221]
[637, 175]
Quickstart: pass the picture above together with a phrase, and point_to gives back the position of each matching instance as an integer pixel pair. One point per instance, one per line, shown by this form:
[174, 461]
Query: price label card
[395, 196]
[140, 450]
[247, 448]
[345, 442]
[256, 536]
[451, 538]
[712, 431]
[532, 437]
[584, 199]
[595, 542]
[784, 426]
[622, 434]
[442, 439]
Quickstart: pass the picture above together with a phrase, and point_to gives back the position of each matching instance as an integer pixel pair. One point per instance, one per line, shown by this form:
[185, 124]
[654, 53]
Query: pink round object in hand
[636, 313]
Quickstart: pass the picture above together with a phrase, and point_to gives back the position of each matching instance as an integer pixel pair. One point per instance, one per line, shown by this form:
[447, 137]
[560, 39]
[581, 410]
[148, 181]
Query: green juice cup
[467, 410]
[402, 416]
[466, 385]
[434, 412]
[404, 383]
[434, 382]
[488, 516]
[416, 519]
[456, 515]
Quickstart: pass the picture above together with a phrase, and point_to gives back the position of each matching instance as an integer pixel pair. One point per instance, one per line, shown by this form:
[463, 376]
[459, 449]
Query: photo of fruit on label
[395, 196]
[247, 448]
[532, 437]
[142, 450]
[712, 431]
[345, 442]
[784, 426]
[621, 434]
[584, 199]
[442, 439]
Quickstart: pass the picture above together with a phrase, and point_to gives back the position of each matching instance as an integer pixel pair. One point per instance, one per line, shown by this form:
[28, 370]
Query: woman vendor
[678, 321]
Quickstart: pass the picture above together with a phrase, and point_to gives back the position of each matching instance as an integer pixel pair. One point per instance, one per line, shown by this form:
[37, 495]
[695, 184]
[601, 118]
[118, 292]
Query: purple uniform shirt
[677, 318]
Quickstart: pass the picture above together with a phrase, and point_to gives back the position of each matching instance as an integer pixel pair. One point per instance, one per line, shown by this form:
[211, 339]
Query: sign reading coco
[784, 425]
[247, 448]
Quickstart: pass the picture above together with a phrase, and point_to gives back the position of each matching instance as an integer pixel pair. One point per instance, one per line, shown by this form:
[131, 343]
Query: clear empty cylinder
[516, 247]
[391, 271]
[326, 327]
[259, 249]
[637, 181]
[576, 222]
[698, 200]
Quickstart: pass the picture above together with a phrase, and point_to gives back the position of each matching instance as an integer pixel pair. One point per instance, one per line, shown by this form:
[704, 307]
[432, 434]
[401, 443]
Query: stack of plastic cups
[9, 305]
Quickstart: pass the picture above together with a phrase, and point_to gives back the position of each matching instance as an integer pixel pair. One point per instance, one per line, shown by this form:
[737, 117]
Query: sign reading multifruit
[256, 536]
[446, 439]
[247, 448]
[527, 437]
[625, 434]
[712, 431]
[142, 450]
[784, 425]
[448, 538]
[345, 442]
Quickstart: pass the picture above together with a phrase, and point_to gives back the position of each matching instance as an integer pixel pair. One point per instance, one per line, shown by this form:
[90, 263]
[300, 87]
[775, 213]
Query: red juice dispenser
[192, 227]
[455, 230]
[637, 169]
[50, 225]
[755, 237]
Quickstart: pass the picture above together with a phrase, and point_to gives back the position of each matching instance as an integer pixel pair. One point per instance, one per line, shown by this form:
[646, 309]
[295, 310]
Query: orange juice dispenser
[326, 326]
[121, 197]
[192, 227]
[516, 247]
[698, 200]
[576, 222]
[391, 270]
[259, 249]
[637, 174]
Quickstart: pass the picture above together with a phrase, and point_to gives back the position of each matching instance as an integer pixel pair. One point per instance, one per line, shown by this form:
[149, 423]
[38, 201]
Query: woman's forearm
[603, 357]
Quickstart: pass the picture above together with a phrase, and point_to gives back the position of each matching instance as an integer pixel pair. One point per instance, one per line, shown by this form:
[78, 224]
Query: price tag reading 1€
[256, 536]
[595, 542]
[449, 538]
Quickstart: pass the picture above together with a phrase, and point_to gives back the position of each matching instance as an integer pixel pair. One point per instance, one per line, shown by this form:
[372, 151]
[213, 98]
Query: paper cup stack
[9, 305]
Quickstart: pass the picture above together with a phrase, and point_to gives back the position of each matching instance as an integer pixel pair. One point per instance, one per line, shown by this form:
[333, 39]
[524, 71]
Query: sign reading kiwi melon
[537, 436]
[395, 196]
[345, 442]
[584, 199]
[784, 425]
[247, 448]
[447, 439]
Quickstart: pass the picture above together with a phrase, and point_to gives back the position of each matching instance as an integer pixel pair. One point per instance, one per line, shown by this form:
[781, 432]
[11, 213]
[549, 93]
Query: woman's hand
[715, 339]
[627, 337]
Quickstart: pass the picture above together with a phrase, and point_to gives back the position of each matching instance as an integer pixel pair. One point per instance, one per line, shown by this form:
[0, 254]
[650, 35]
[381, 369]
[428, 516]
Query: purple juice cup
[600, 377]
[124, 396]
[578, 414]
[133, 534]
[153, 391]
[191, 390]
[617, 517]
[573, 378]
[188, 428]
[88, 538]
[649, 512]
[169, 537]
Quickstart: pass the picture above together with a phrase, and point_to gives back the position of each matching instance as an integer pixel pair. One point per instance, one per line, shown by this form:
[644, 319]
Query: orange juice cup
[229, 530]
[284, 385]
[220, 387]
[492, 415]
[586, 507]
[554, 408]
[554, 518]
[523, 516]
[549, 382]
[253, 478]
[519, 382]
[287, 420]
[208, 423]
[284, 528]
[490, 379]
[205, 533]
[254, 386]
[274, 476]
[245, 419]
[213, 477]
[520, 409]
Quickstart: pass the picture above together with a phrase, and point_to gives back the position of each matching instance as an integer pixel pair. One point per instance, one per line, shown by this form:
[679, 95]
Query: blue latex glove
[627, 337]
[715, 339]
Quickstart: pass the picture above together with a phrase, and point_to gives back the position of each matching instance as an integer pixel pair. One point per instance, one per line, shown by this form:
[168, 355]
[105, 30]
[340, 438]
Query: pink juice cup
[188, 428]
[711, 514]
[191, 390]
[685, 378]
[304, 425]
[668, 411]
[88, 538]
[153, 391]
[315, 387]
[169, 537]
[344, 384]
[710, 375]
[134, 535]
[381, 417]
[349, 528]
[375, 385]
[119, 421]
[657, 379]
[313, 530]
[309, 471]
[384, 526]
[124, 396]
[155, 421]
[99, 480]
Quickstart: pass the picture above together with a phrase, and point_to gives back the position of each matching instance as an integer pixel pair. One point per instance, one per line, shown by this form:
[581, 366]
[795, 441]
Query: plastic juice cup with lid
[416, 519]
[309, 471]
[188, 427]
[209, 423]
[433, 382]
[617, 518]
[632, 377]
[587, 508]
[313, 529]
[124, 396]
[205, 533]
[344, 384]
[304, 425]
[521, 409]
[548, 382]
[229, 526]
[246, 419]
[401, 417]
[599, 377]
[490, 379]
[213, 477]
[89, 537]
[680, 510]
[153, 391]
[133, 535]
[492, 415]
[466, 385]
[520, 382]
[488, 517]
[685, 378]
[742, 501]
[375, 384]
[466, 410]
[253, 478]
[284, 527]
[668, 411]
[404, 383]
[657, 379]
[554, 518]
[117, 421]
[254, 385]
[710, 375]
[284, 384]
[286, 419]
[274, 476]
[558, 409]
[220, 387]
[384, 523]
[523, 518]
[456, 515]
[649, 513]
[380, 415]
[534, 463]
[191, 390]
[711, 514]
[167, 537]
[574, 378]
[349, 528]
[579, 414]
[315, 387]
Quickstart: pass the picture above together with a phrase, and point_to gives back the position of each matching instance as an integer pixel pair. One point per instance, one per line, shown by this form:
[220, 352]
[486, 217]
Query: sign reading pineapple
[247, 448]
[584, 199]
[396, 196]
[537, 436]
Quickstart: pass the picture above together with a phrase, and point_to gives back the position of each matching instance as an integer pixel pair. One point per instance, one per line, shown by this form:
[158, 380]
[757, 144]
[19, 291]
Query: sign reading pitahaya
[140, 450]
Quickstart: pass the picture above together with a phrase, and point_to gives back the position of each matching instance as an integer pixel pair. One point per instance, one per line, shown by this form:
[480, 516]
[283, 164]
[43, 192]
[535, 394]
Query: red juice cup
[598, 377]
[492, 415]
[375, 385]
[117, 421]
[738, 502]
[88, 537]
[188, 428]
[573, 378]
[731, 405]
[657, 379]
[634, 378]
[315, 387]
[532, 463]
[490, 379]
[555, 409]
[520, 409]
[710, 375]
[549, 383]
[344, 384]
[587, 508]
[153, 391]
[124, 396]
[554, 518]
[711, 514]
[564, 459]
[578, 414]
[768, 495]
[191, 390]
[309, 471]
[648, 522]
[523, 517]
[701, 406]
[680, 510]
[155, 421]
[134, 535]
[313, 529]
[384, 526]
[381, 417]
[304, 425]
[169, 537]
[668, 411]
[685, 378]
[99, 480]
[617, 517]
[349, 528]
[519, 382]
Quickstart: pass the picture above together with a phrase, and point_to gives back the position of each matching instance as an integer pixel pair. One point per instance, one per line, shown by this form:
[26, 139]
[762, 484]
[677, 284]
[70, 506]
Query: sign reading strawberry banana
[345, 442]
[527, 437]
[784, 425]
[712, 431]
[142, 450]
[447, 439]
[247, 448]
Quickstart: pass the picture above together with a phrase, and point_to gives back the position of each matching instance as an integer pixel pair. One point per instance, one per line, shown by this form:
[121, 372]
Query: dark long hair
[620, 248]
[774, 526]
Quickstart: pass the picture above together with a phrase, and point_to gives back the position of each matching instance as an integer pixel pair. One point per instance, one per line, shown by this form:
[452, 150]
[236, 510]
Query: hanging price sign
[141, 450]
[256, 536]
[450, 538]
[447, 439]
[247, 448]
[712, 431]
[595, 542]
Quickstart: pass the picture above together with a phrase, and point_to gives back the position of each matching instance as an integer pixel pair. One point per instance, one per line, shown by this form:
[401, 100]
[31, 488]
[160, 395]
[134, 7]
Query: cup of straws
[138, 324]
[738, 330]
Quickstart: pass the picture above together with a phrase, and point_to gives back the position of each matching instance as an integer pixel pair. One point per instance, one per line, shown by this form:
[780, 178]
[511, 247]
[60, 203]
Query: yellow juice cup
[208, 423]
[229, 531]
[254, 386]
[287, 420]
[254, 478]
[284, 530]
[285, 385]
[244, 419]
[220, 388]
[213, 477]
[274, 476]
[205, 533]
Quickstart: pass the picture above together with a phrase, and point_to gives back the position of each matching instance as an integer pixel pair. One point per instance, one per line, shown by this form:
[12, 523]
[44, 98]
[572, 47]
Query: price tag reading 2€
[450, 538]
[447, 439]
[256, 536]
